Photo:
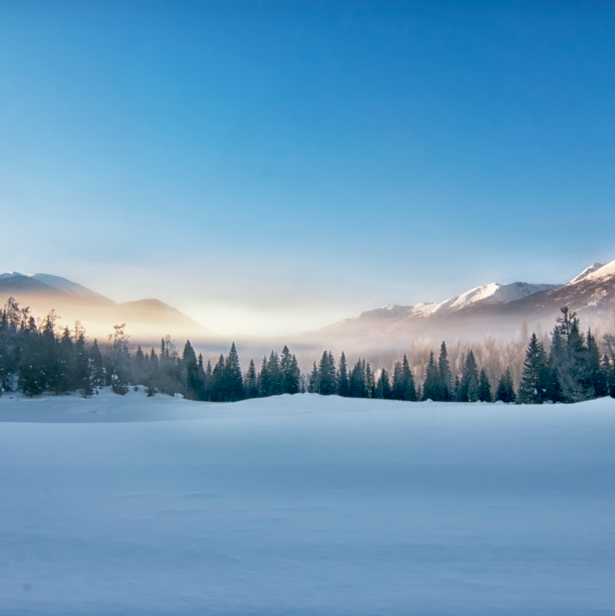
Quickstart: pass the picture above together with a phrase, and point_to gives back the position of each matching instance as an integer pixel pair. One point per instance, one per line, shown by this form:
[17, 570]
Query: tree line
[37, 357]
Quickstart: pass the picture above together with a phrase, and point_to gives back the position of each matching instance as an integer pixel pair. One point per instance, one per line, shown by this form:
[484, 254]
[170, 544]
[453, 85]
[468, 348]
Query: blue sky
[271, 167]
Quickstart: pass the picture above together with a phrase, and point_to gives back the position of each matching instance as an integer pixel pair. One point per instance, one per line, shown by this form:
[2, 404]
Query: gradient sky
[270, 167]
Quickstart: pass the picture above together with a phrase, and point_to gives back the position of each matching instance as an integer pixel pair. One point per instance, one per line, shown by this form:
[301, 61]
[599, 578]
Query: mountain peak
[587, 271]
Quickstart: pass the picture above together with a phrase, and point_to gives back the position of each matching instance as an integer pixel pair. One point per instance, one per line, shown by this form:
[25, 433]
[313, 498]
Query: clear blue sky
[274, 166]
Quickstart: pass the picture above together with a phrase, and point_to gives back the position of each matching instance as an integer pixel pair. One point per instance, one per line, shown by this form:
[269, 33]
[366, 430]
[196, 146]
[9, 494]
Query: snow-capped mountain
[587, 271]
[496, 309]
[490, 294]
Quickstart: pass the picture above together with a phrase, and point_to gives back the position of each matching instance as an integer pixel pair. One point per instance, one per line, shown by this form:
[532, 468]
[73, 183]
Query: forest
[36, 357]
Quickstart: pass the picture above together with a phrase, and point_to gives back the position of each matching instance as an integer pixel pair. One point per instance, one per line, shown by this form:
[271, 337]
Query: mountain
[146, 320]
[495, 309]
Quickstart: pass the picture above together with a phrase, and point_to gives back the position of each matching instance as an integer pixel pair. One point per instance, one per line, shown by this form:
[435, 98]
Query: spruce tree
[506, 388]
[194, 385]
[263, 380]
[274, 375]
[314, 382]
[290, 373]
[484, 387]
[432, 389]
[216, 391]
[82, 367]
[232, 377]
[96, 361]
[397, 387]
[534, 385]
[408, 381]
[370, 385]
[343, 384]
[446, 378]
[251, 383]
[597, 381]
[356, 384]
[327, 376]
[383, 386]
[468, 386]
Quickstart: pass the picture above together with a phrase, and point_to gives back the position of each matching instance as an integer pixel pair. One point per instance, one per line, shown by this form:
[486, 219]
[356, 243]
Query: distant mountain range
[495, 309]
[147, 320]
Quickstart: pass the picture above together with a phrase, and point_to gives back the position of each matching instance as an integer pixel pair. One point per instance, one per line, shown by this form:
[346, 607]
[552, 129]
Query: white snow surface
[602, 272]
[587, 271]
[305, 505]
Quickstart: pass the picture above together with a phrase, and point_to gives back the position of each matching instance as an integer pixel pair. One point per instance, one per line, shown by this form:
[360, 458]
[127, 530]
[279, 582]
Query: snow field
[305, 505]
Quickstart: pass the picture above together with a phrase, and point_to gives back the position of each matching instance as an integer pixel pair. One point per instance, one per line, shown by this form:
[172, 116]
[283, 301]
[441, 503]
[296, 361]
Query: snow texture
[305, 505]
[587, 271]
[602, 272]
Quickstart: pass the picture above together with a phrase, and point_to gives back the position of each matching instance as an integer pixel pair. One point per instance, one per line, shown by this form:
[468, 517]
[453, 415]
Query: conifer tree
[290, 373]
[506, 388]
[397, 387]
[263, 380]
[96, 361]
[534, 385]
[597, 381]
[32, 378]
[446, 378]
[118, 360]
[408, 381]
[383, 386]
[232, 377]
[468, 387]
[431, 387]
[82, 368]
[314, 384]
[274, 375]
[151, 380]
[251, 383]
[343, 384]
[216, 390]
[194, 385]
[484, 387]
[66, 368]
[356, 384]
[327, 376]
[370, 385]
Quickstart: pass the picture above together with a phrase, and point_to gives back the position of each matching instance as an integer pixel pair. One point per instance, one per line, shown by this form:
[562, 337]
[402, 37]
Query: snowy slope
[603, 271]
[489, 294]
[587, 271]
[305, 506]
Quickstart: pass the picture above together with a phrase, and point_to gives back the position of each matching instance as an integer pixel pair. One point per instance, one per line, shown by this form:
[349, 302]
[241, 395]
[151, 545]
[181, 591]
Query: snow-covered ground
[305, 506]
